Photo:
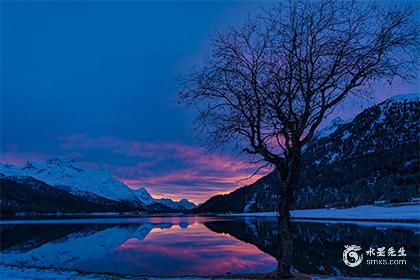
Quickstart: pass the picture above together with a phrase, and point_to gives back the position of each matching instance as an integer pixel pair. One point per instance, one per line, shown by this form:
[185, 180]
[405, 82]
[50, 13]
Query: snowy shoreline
[406, 213]
[18, 273]
[403, 213]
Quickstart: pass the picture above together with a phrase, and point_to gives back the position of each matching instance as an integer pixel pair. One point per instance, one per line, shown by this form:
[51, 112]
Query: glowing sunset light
[200, 252]
[170, 170]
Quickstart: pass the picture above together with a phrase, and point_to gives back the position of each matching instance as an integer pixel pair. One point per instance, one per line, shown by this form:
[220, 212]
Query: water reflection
[162, 248]
[199, 246]
[198, 252]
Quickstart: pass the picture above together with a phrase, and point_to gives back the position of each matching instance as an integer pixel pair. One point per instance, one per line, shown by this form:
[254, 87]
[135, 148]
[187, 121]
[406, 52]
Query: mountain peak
[60, 160]
[186, 203]
[181, 204]
[29, 165]
[143, 195]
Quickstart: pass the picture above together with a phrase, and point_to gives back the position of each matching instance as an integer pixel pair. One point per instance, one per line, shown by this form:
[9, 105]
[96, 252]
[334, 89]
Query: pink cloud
[170, 169]
[166, 169]
[12, 155]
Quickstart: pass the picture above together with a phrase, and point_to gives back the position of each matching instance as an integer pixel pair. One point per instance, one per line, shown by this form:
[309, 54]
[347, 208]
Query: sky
[97, 81]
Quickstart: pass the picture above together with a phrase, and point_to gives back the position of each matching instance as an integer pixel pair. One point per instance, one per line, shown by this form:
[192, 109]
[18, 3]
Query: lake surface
[177, 246]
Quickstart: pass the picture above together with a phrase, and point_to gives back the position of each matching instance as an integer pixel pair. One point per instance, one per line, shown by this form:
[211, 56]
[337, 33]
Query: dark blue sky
[102, 67]
[96, 81]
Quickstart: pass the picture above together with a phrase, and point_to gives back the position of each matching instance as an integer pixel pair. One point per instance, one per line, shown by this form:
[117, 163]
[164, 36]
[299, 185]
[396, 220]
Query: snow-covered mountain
[144, 196]
[380, 127]
[180, 205]
[147, 199]
[65, 174]
[26, 194]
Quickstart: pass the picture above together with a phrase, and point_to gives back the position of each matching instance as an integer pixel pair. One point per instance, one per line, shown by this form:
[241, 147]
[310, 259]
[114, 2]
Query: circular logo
[351, 257]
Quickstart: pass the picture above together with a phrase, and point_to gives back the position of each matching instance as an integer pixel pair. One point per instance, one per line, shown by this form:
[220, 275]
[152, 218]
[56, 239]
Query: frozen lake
[199, 246]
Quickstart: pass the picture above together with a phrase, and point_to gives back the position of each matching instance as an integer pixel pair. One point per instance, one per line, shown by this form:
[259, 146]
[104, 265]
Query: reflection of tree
[318, 247]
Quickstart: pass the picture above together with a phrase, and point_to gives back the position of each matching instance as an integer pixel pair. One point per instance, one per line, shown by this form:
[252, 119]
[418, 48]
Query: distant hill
[373, 157]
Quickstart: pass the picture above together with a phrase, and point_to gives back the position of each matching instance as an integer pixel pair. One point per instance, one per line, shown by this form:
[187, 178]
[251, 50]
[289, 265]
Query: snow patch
[331, 127]
[251, 202]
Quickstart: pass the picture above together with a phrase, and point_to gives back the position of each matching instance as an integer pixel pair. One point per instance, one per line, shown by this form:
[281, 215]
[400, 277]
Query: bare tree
[269, 84]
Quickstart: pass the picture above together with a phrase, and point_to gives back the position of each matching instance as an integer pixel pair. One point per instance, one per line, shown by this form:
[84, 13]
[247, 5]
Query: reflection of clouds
[160, 246]
[194, 250]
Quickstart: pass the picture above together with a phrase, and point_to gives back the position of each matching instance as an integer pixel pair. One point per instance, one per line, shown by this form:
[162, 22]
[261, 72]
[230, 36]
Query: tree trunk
[289, 179]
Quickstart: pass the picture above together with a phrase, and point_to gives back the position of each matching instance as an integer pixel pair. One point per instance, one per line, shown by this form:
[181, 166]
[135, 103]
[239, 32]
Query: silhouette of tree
[269, 84]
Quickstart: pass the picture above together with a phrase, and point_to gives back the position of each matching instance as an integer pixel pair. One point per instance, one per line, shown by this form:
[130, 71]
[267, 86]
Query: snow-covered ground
[15, 273]
[366, 212]
[375, 224]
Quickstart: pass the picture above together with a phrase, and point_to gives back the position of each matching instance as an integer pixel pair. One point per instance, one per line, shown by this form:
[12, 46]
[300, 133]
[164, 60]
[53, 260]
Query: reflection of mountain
[318, 247]
[24, 238]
